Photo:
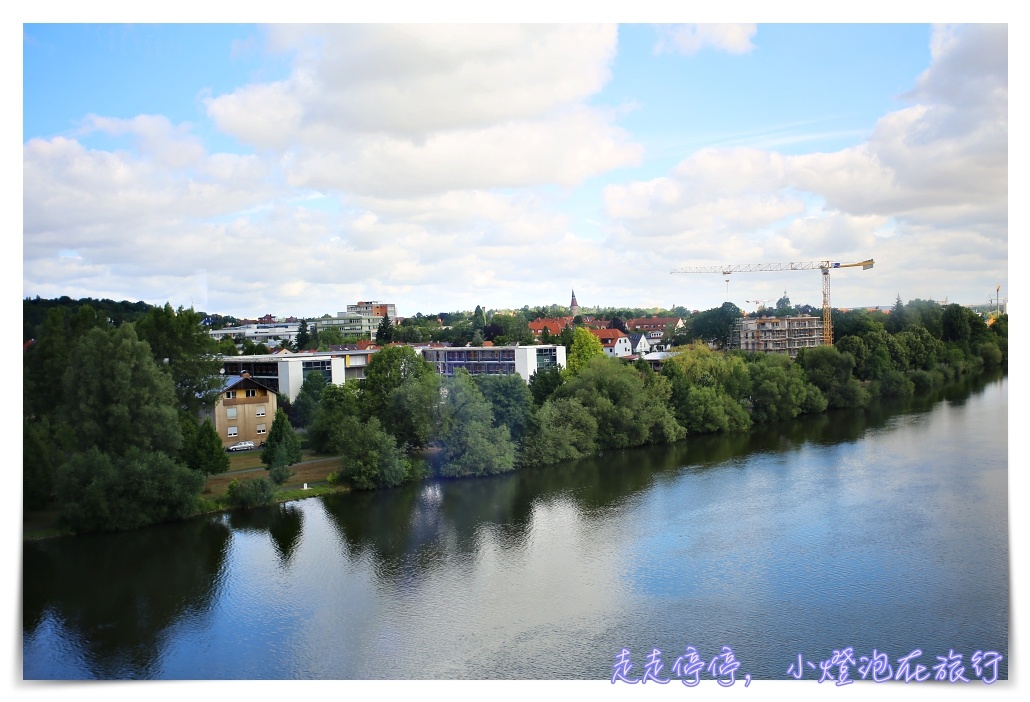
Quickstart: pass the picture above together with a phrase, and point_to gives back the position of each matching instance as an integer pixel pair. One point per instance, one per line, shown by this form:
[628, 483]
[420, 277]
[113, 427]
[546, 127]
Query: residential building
[777, 334]
[655, 323]
[285, 374]
[657, 358]
[374, 309]
[351, 324]
[495, 360]
[244, 410]
[639, 343]
[260, 332]
[554, 325]
[615, 342]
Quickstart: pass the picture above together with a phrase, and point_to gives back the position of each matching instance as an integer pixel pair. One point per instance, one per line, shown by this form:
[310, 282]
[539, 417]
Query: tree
[585, 346]
[618, 323]
[37, 464]
[370, 457]
[779, 390]
[385, 332]
[470, 443]
[412, 410]
[303, 338]
[564, 430]
[227, 347]
[715, 326]
[830, 371]
[330, 336]
[543, 383]
[117, 398]
[336, 404]
[281, 434]
[628, 411]
[306, 402]
[189, 354]
[203, 450]
[106, 492]
[387, 369]
[955, 325]
[897, 320]
[510, 400]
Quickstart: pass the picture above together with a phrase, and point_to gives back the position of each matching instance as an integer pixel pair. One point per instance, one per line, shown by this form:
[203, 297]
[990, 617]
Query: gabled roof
[232, 382]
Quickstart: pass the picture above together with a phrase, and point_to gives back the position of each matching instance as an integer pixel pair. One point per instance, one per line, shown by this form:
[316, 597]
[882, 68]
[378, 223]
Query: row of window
[231, 394]
[234, 431]
[230, 412]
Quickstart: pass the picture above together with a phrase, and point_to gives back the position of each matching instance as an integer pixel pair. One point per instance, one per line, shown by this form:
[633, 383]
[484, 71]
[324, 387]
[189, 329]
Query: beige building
[777, 334]
[244, 411]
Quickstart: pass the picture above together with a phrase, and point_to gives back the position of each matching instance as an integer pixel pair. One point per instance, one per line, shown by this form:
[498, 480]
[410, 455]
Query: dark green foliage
[470, 443]
[955, 325]
[183, 348]
[306, 402]
[563, 430]
[227, 347]
[385, 332]
[830, 371]
[990, 353]
[925, 313]
[779, 390]
[924, 380]
[102, 492]
[543, 383]
[281, 435]
[37, 464]
[117, 398]
[337, 403]
[370, 457]
[387, 369]
[254, 492]
[35, 310]
[923, 351]
[627, 412]
[303, 337]
[202, 449]
[511, 401]
[411, 410]
[715, 325]
[895, 384]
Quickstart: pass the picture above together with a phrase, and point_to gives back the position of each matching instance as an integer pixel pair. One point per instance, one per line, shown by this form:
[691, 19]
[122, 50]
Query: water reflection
[117, 596]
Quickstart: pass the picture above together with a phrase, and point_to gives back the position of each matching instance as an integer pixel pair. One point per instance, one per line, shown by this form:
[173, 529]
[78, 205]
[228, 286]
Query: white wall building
[286, 374]
[260, 333]
[495, 360]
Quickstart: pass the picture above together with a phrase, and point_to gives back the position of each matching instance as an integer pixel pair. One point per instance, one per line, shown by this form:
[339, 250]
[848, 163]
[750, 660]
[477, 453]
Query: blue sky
[247, 169]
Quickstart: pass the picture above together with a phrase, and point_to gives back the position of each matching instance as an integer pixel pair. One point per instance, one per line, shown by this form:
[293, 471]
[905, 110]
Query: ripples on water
[884, 528]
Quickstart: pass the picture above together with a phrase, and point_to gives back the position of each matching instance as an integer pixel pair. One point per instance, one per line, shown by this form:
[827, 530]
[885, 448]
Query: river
[884, 528]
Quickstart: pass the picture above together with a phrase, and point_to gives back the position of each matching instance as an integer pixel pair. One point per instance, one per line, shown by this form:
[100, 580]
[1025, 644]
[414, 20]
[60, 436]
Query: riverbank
[313, 470]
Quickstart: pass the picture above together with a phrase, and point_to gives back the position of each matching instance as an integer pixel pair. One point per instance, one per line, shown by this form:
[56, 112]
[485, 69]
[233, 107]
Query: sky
[294, 169]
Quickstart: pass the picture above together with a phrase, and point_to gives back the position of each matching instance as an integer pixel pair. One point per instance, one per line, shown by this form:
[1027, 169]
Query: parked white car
[241, 446]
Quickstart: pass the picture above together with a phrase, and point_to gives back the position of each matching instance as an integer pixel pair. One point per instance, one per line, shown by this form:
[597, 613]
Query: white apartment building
[285, 374]
[260, 333]
[495, 360]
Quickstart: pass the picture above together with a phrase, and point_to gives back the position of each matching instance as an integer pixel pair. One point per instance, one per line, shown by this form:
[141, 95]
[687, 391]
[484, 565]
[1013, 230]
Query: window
[260, 411]
[251, 393]
[230, 395]
[230, 413]
[233, 432]
[260, 428]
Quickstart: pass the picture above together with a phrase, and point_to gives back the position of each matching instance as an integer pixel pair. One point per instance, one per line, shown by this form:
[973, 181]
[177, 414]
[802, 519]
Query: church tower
[574, 306]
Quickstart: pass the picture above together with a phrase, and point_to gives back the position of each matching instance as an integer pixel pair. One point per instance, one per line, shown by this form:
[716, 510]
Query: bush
[922, 380]
[895, 384]
[251, 493]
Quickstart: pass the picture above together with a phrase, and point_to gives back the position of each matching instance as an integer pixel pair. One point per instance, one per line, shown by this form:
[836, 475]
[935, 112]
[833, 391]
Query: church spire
[574, 306]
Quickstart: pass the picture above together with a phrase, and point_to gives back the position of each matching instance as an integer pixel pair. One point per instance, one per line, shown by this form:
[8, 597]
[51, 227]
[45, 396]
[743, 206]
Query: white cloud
[689, 39]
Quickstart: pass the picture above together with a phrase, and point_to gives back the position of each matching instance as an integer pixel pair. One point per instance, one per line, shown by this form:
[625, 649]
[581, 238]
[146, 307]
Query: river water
[884, 528]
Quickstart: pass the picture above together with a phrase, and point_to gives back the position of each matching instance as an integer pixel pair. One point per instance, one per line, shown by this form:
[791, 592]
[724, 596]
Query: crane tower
[824, 266]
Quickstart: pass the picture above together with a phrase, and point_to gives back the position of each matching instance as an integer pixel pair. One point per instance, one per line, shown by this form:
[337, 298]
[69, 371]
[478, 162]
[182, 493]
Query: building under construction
[777, 334]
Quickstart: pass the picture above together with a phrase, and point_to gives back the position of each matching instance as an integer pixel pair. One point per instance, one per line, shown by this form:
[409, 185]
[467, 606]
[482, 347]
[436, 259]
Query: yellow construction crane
[824, 266]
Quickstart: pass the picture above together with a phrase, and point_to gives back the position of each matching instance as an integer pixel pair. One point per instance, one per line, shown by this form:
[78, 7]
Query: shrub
[250, 493]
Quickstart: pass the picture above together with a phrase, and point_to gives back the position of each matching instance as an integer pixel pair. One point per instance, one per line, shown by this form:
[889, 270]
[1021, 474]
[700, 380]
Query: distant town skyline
[295, 169]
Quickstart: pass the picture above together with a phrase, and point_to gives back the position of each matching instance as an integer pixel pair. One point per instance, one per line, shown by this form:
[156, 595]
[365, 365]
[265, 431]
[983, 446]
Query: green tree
[897, 320]
[387, 369]
[306, 402]
[190, 355]
[779, 390]
[37, 464]
[330, 336]
[715, 326]
[203, 450]
[563, 430]
[543, 383]
[117, 398]
[627, 411]
[370, 457]
[303, 337]
[585, 346]
[227, 347]
[955, 326]
[385, 332]
[411, 409]
[336, 404]
[105, 492]
[510, 400]
[470, 444]
[830, 371]
[281, 434]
